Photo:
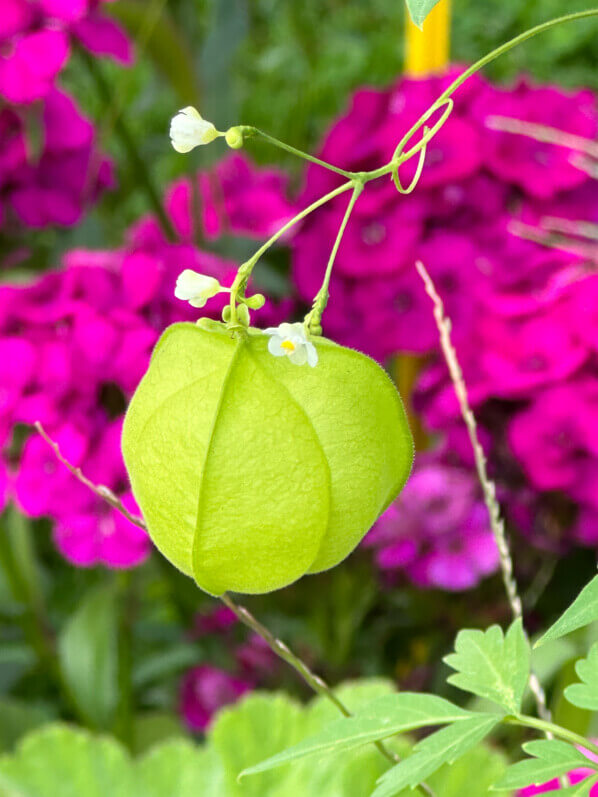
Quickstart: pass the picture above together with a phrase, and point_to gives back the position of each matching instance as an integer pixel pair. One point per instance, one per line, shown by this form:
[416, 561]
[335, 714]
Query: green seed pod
[256, 301]
[234, 137]
[251, 470]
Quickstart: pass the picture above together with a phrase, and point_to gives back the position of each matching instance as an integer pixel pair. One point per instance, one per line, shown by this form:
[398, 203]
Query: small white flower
[196, 288]
[290, 340]
[188, 130]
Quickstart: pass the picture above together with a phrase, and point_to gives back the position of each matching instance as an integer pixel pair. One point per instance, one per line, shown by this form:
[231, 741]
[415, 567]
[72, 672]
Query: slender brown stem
[497, 523]
[317, 683]
[543, 133]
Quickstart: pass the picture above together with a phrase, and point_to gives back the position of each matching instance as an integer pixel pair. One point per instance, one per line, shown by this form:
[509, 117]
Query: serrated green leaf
[59, 761]
[455, 780]
[583, 611]
[443, 747]
[552, 758]
[492, 665]
[381, 719]
[243, 734]
[88, 653]
[179, 769]
[585, 694]
[419, 10]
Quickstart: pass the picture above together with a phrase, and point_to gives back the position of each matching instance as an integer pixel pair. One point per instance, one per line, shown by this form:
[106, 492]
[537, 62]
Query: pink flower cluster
[36, 38]
[74, 344]
[52, 185]
[437, 531]
[205, 689]
[524, 316]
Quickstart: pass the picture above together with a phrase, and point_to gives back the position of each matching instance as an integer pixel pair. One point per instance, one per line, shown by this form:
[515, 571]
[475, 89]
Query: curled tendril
[399, 156]
[420, 166]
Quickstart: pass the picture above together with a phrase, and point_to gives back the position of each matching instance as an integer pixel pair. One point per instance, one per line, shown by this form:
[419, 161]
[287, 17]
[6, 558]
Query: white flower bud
[196, 288]
[189, 130]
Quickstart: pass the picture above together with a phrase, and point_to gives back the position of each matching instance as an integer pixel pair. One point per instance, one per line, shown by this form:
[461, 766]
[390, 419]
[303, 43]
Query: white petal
[271, 331]
[285, 330]
[299, 356]
[274, 346]
[312, 354]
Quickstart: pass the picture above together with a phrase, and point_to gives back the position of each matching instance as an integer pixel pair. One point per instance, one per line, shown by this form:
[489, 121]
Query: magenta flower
[43, 486]
[102, 535]
[437, 531]
[539, 169]
[206, 689]
[35, 41]
[30, 66]
[216, 621]
[256, 659]
[556, 438]
[518, 355]
[101, 35]
[69, 174]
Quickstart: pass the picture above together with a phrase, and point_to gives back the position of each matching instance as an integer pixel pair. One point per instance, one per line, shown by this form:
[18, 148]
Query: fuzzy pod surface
[252, 471]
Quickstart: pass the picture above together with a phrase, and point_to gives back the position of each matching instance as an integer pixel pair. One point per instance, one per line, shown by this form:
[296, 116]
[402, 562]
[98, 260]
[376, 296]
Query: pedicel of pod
[252, 471]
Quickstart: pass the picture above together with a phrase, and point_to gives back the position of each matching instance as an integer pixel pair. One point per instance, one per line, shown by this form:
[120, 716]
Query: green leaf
[180, 769]
[581, 789]
[58, 761]
[381, 719]
[583, 611]
[153, 727]
[585, 695]
[444, 746]
[159, 665]
[419, 10]
[88, 653]
[455, 780]
[260, 725]
[492, 665]
[551, 759]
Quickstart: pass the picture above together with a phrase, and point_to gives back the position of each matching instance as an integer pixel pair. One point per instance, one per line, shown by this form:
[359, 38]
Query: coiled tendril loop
[399, 156]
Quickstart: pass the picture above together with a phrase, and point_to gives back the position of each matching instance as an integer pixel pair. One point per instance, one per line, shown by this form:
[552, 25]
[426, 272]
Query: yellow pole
[426, 52]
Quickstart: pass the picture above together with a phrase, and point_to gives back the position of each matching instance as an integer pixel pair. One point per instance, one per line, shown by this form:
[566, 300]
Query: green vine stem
[317, 683]
[246, 268]
[551, 729]
[313, 318]
[250, 132]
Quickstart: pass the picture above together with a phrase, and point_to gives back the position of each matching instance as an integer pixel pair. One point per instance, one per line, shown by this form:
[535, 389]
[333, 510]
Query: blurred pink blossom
[206, 689]
[437, 531]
